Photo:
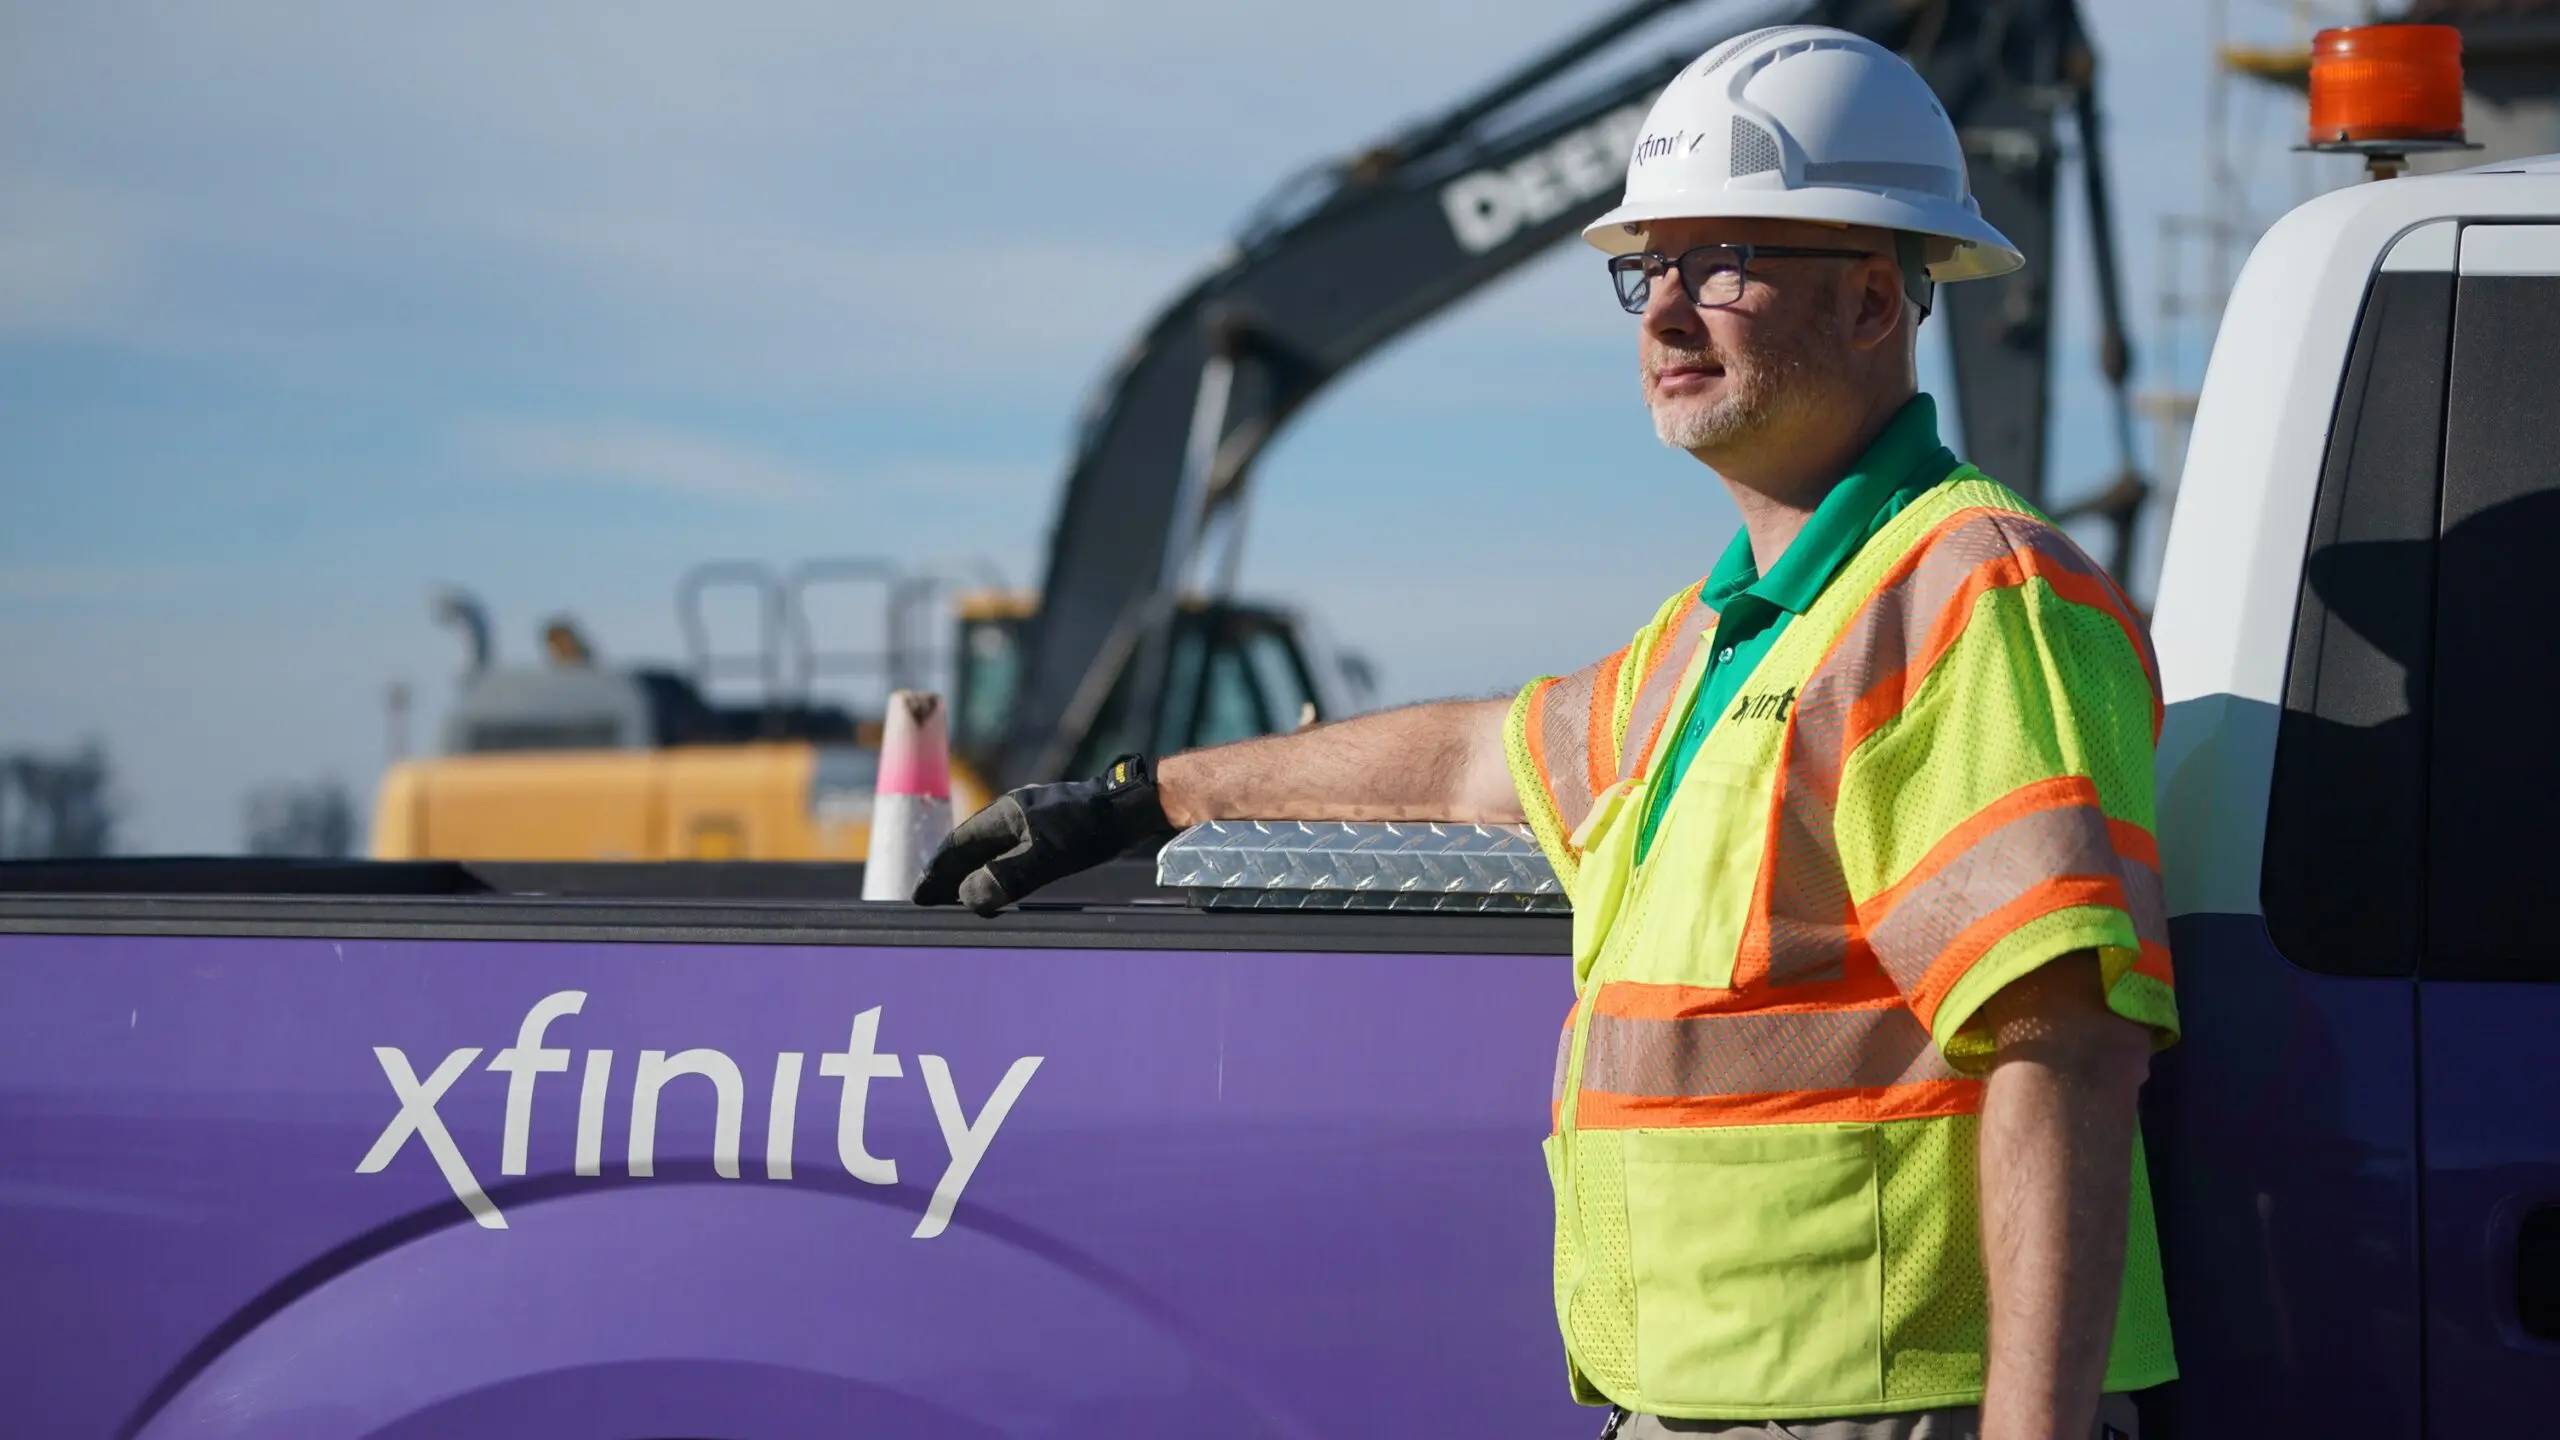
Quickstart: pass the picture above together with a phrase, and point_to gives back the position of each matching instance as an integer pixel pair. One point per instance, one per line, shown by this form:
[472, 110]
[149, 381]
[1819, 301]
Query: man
[1868, 940]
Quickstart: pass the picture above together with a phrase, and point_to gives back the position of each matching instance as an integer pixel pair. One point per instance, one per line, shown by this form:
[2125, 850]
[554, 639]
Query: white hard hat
[1804, 122]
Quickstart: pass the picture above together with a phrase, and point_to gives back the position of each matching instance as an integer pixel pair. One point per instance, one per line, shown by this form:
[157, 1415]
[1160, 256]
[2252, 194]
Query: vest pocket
[1758, 1279]
[1607, 842]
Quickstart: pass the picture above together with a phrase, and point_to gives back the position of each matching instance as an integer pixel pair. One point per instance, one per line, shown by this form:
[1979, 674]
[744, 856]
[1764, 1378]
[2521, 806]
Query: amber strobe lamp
[2387, 92]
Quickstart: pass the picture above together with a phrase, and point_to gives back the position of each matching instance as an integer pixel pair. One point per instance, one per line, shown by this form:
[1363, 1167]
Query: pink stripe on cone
[915, 746]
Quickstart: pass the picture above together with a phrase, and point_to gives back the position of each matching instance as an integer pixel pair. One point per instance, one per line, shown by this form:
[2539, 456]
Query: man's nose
[1669, 313]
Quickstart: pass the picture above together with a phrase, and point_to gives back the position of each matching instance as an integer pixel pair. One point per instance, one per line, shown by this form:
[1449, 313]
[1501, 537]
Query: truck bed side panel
[1239, 1193]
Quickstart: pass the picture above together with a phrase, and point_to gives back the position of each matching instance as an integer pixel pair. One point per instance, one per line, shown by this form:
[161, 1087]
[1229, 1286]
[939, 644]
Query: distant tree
[312, 819]
[57, 807]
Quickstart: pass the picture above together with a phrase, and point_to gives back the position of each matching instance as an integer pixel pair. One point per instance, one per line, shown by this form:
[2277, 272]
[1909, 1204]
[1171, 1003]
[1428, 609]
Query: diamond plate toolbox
[1336, 865]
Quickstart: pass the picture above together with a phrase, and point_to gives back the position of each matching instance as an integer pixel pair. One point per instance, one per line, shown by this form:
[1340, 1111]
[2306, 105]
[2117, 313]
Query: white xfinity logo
[857, 1065]
[1487, 207]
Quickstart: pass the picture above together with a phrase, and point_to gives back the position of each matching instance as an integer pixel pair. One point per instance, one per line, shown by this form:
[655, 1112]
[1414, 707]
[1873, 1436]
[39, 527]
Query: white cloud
[68, 584]
[959, 479]
[746, 298]
[646, 457]
[677, 462]
[70, 256]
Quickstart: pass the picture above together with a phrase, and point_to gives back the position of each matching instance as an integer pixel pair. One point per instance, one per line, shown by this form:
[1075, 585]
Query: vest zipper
[1568, 1114]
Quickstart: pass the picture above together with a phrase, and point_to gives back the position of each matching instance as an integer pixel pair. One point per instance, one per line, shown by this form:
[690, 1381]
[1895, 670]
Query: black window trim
[2300, 877]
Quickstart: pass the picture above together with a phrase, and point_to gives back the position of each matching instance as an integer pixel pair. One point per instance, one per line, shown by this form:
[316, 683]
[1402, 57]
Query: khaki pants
[2115, 1419]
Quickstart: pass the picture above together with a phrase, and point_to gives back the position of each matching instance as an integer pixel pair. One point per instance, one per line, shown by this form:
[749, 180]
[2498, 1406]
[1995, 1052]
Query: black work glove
[1040, 833]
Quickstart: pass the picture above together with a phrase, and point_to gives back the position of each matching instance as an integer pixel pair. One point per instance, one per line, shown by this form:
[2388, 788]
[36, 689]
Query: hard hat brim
[1980, 251]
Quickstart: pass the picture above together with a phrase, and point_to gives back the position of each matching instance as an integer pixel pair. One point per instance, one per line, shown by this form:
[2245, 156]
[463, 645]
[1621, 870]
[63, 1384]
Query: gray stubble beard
[1766, 381]
[1691, 427]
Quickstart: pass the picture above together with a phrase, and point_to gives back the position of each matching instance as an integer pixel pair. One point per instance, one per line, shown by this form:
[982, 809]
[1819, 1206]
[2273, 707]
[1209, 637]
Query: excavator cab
[1232, 671]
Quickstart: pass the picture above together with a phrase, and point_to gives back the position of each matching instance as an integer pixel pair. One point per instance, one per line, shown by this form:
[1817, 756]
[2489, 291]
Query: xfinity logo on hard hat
[857, 1065]
[1654, 147]
[1487, 207]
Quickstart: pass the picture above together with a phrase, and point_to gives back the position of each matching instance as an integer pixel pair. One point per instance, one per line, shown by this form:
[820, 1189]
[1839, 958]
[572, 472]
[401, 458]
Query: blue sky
[306, 308]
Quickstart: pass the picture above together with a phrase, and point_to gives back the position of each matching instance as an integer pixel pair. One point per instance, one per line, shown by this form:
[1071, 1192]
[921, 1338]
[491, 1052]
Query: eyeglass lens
[1711, 275]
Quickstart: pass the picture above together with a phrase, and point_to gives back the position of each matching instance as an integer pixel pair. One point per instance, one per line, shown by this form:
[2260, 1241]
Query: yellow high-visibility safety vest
[1938, 779]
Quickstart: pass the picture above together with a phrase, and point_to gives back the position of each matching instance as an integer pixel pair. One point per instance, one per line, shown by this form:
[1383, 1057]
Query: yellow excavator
[571, 759]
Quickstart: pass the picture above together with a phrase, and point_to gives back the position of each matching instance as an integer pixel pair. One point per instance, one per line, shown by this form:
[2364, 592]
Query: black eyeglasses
[1710, 275]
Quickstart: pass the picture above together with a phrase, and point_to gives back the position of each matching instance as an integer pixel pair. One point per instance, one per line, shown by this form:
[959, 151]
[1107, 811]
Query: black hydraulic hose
[2115, 352]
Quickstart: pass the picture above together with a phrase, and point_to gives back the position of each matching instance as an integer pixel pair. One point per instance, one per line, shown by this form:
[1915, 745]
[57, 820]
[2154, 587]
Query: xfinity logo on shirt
[859, 1063]
[1487, 207]
[1767, 705]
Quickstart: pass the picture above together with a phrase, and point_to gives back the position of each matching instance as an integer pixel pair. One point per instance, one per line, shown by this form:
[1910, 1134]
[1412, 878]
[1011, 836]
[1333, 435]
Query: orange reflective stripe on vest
[1665, 666]
[1571, 729]
[2041, 848]
[1804, 929]
[1802, 1064]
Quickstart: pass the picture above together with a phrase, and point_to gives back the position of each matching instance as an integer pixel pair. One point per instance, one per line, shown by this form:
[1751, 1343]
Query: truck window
[2343, 879]
[2494, 909]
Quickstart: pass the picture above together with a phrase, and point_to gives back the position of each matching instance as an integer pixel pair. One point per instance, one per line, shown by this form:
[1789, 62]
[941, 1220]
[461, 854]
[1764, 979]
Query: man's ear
[1877, 310]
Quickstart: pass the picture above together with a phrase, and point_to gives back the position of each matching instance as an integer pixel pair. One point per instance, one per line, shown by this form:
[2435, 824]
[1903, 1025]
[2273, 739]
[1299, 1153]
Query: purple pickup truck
[399, 1151]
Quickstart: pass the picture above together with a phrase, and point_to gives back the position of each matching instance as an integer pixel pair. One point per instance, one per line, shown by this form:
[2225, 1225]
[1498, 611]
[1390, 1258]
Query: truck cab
[2356, 1148]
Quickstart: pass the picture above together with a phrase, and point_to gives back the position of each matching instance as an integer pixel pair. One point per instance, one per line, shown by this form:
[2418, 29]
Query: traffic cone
[911, 803]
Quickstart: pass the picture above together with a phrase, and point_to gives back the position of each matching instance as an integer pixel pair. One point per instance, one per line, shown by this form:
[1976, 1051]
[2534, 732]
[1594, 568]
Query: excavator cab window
[983, 685]
[1234, 672]
[1231, 706]
[1281, 670]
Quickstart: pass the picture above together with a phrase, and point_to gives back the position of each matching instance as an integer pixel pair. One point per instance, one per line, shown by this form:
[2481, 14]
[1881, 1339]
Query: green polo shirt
[1753, 609]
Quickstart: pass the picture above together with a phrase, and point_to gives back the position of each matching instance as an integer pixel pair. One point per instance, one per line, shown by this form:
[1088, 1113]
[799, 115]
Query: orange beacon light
[2386, 92]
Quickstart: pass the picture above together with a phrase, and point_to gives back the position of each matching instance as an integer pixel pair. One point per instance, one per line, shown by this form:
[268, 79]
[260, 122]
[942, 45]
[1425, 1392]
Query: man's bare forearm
[1442, 761]
[2056, 1169]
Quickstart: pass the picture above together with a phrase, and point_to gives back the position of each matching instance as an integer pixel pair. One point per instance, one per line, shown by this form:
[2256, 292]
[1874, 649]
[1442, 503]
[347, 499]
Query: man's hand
[1040, 833]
